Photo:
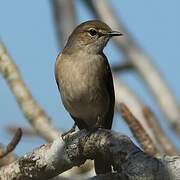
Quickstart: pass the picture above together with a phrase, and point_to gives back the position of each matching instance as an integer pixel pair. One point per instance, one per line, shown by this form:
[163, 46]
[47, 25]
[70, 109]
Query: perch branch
[127, 159]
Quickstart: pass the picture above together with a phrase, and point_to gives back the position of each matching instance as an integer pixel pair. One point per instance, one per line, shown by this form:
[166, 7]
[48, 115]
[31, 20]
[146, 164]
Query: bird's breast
[83, 82]
[82, 88]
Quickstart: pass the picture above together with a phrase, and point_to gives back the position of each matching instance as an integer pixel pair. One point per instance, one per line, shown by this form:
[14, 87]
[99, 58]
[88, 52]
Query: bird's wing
[110, 89]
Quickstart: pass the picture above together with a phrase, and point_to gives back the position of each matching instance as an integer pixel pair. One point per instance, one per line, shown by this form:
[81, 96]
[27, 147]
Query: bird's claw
[66, 135]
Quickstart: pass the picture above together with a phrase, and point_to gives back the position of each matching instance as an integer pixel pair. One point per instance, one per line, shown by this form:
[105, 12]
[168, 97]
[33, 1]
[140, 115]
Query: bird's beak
[114, 33]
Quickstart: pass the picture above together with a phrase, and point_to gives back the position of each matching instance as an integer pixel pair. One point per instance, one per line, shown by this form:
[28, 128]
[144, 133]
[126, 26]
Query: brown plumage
[84, 79]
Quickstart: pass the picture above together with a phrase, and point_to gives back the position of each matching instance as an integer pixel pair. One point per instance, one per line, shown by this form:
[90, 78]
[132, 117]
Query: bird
[85, 81]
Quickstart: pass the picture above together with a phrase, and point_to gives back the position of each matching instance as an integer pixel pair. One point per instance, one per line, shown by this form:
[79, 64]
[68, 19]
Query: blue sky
[27, 29]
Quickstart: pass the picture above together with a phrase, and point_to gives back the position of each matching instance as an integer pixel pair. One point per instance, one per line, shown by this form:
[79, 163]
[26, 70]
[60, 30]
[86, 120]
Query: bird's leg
[96, 126]
[99, 122]
[64, 135]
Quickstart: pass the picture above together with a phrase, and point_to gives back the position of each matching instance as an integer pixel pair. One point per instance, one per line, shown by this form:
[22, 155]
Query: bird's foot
[65, 135]
[99, 122]
[96, 126]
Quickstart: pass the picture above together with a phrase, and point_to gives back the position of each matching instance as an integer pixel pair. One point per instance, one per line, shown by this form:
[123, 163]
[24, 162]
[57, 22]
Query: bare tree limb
[64, 17]
[163, 140]
[142, 64]
[32, 111]
[127, 159]
[138, 131]
[12, 145]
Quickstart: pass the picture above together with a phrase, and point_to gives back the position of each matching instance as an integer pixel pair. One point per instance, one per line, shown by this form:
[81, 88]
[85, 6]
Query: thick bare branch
[142, 64]
[163, 140]
[64, 17]
[32, 111]
[127, 159]
[12, 145]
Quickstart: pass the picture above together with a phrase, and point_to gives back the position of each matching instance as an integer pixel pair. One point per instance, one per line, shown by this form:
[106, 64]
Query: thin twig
[12, 145]
[138, 131]
[32, 111]
[163, 140]
[147, 71]
[9, 158]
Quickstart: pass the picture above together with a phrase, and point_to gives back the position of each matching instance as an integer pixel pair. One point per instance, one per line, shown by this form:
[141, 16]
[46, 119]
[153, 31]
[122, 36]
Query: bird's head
[91, 36]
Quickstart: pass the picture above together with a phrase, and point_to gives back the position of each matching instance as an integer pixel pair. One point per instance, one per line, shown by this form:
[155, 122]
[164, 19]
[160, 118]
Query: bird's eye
[92, 32]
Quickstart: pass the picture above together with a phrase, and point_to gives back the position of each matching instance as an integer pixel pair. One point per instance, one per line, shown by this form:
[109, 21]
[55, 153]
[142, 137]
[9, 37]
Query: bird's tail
[102, 166]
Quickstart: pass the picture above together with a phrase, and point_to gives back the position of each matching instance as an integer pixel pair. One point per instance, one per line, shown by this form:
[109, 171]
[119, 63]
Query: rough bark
[127, 159]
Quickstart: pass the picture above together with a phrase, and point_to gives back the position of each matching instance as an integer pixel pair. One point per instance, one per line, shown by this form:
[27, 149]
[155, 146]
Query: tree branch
[64, 17]
[32, 111]
[127, 159]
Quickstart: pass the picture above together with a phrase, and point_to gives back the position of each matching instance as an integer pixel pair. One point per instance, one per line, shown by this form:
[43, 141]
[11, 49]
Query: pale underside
[82, 87]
